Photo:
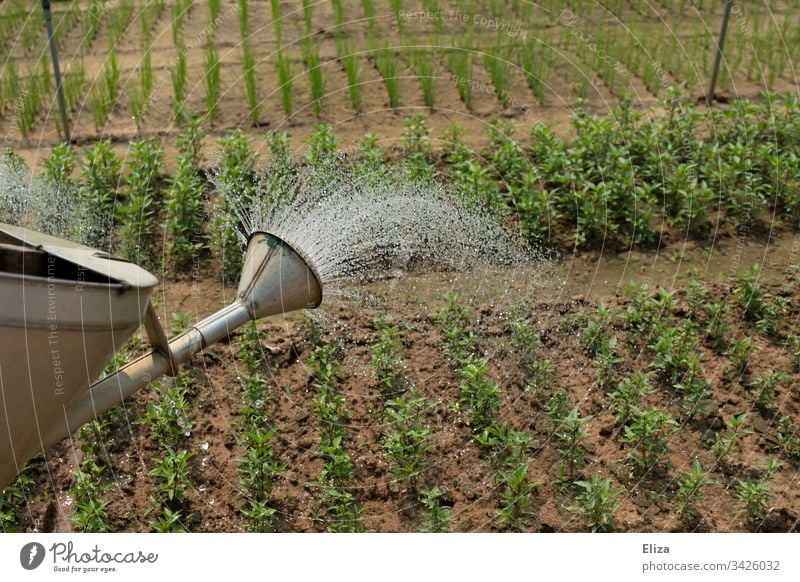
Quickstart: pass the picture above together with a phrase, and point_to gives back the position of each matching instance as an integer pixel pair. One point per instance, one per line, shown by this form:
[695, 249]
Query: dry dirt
[458, 464]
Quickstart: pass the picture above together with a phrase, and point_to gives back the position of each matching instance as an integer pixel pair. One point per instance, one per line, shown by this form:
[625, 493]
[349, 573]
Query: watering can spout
[275, 279]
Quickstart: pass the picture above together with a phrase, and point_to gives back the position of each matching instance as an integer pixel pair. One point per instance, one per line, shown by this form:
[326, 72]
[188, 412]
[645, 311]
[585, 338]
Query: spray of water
[26, 201]
[350, 225]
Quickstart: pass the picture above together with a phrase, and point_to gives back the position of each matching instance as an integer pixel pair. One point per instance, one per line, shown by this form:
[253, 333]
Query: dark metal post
[62, 104]
[720, 44]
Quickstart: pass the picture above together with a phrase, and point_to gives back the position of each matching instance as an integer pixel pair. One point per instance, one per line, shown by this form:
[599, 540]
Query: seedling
[178, 75]
[558, 406]
[571, 436]
[607, 360]
[788, 437]
[171, 474]
[595, 331]
[385, 361]
[423, 66]
[285, 78]
[60, 165]
[725, 444]
[480, 396]
[515, 501]
[764, 388]
[739, 354]
[250, 88]
[597, 503]
[137, 215]
[690, 490]
[386, 63]
[13, 503]
[168, 521]
[352, 69]
[212, 79]
[648, 433]
[406, 442]
[793, 345]
[508, 447]
[322, 144]
[89, 513]
[757, 306]
[315, 74]
[497, 63]
[437, 515]
[628, 395]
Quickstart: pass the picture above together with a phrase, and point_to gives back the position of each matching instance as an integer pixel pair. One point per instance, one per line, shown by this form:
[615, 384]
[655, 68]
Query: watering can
[66, 308]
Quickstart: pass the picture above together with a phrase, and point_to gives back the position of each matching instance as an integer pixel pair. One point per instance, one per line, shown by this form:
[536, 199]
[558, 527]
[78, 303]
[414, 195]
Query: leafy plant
[137, 215]
[60, 165]
[406, 442]
[757, 306]
[793, 345]
[234, 178]
[171, 474]
[647, 433]
[322, 144]
[597, 503]
[690, 489]
[480, 396]
[184, 214]
[628, 395]
[89, 514]
[515, 500]
[571, 436]
[725, 444]
[97, 192]
[437, 515]
[508, 447]
[385, 361]
[765, 387]
[739, 354]
[13, 502]
[259, 469]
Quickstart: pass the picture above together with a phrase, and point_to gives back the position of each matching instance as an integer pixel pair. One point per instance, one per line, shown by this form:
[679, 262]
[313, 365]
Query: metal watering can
[66, 308]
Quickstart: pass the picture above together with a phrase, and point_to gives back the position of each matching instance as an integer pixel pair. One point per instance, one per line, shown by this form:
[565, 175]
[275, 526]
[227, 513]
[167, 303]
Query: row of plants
[406, 439]
[340, 509]
[507, 450]
[259, 467]
[170, 431]
[675, 353]
[619, 181]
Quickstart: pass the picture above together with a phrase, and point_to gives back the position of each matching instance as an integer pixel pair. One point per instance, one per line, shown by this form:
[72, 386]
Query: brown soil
[458, 465]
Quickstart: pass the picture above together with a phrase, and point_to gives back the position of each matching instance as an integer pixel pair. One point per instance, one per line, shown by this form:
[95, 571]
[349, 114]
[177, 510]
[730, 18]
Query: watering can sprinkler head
[87, 302]
[276, 278]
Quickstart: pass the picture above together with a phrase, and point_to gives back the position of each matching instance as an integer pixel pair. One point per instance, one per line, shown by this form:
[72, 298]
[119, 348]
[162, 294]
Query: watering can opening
[66, 308]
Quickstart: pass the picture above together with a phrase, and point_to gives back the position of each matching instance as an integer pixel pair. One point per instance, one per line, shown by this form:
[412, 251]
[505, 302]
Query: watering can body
[64, 310]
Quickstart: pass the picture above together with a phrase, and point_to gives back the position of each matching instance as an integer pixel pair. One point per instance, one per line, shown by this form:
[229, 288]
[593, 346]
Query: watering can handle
[163, 360]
